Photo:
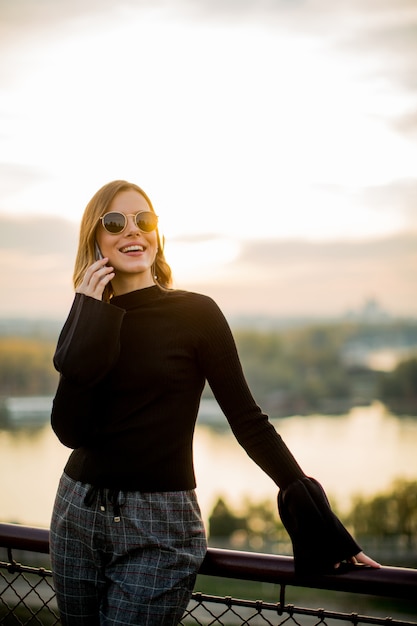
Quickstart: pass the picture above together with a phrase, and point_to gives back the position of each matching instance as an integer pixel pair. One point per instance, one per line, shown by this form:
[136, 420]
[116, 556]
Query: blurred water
[361, 452]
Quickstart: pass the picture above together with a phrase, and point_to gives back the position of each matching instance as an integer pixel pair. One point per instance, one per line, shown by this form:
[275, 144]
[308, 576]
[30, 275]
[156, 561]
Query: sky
[277, 140]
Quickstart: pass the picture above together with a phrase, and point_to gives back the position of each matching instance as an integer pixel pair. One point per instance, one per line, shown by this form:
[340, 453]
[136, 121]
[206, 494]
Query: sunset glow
[278, 122]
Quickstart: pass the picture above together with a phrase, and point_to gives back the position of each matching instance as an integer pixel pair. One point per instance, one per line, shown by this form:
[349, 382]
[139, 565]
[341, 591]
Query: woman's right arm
[87, 348]
[89, 341]
[88, 345]
[76, 414]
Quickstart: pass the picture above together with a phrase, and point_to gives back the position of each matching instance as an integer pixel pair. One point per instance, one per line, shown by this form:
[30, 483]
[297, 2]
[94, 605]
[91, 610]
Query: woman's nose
[132, 227]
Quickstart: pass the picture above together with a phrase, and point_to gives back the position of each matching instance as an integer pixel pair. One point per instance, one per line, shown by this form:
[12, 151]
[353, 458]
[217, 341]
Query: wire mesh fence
[27, 597]
[207, 610]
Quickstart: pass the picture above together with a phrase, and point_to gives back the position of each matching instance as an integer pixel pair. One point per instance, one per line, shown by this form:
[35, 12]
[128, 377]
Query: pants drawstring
[99, 492]
[114, 499]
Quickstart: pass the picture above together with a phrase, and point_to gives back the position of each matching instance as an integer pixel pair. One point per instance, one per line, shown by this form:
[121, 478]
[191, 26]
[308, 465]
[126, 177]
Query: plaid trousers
[124, 557]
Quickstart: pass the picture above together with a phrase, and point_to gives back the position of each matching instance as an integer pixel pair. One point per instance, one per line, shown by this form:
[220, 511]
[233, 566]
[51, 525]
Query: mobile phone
[98, 252]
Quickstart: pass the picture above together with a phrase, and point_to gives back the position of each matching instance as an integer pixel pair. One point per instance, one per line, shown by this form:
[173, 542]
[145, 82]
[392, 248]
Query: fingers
[361, 557]
[97, 276]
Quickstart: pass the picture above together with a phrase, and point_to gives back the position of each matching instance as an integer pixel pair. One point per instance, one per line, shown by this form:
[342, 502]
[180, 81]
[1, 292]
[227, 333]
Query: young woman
[127, 538]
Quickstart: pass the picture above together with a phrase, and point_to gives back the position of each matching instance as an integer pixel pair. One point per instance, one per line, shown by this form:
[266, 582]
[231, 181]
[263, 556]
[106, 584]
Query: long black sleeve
[318, 537]
[89, 343]
[88, 346]
[75, 414]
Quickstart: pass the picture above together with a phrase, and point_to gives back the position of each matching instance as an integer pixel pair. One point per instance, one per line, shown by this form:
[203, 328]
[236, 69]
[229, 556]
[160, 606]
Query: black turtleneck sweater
[132, 374]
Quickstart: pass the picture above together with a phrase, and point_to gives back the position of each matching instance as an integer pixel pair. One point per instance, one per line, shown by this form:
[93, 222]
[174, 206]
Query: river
[361, 452]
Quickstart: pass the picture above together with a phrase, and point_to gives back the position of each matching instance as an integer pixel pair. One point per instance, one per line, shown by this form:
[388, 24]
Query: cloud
[37, 235]
[14, 176]
[36, 256]
[388, 31]
[314, 16]
[396, 199]
[407, 124]
[23, 14]
[398, 195]
[271, 278]
[284, 278]
[280, 253]
[317, 126]
[381, 33]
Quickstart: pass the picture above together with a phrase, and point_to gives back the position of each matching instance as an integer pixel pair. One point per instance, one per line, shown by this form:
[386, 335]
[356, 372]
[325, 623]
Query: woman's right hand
[97, 276]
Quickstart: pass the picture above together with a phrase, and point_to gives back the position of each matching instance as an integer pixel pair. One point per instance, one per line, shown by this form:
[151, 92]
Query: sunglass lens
[114, 222]
[147, 221]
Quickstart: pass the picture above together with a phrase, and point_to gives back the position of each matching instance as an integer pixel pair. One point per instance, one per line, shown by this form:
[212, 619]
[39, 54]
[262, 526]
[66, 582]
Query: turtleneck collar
[137, 298]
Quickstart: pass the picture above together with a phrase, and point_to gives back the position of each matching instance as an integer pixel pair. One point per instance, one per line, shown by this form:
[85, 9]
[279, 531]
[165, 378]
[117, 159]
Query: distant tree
[26, 367]
[222, 522]
[398, 389]
[389, 514]
[305, 364]
[257, 526]
[263, 525]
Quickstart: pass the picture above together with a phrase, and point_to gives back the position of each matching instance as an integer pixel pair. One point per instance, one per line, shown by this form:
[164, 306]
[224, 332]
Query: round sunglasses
[115, 222]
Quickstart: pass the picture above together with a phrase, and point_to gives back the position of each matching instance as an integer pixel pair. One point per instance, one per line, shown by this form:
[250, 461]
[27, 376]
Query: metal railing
[27, 595]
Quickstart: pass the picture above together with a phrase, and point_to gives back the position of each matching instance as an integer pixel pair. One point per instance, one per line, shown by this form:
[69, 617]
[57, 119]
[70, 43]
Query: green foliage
[304, 364]
[259, 525]
[305, 369]
[398, 389]
[393, 513]
[263, 525]
[26, 367]
[222, 522]
[298, 370]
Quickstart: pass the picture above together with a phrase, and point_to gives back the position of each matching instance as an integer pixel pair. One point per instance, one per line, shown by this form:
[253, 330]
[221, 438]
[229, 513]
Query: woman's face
[132, 252]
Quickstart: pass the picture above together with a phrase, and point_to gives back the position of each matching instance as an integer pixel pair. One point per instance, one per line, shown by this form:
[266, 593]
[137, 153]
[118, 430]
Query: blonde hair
[98, 205]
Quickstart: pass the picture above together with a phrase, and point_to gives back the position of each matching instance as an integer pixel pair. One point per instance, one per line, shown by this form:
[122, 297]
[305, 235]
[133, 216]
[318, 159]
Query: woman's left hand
[361, 559]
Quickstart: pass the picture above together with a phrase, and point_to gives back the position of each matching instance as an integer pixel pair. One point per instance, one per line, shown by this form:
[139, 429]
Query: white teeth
[132, 249]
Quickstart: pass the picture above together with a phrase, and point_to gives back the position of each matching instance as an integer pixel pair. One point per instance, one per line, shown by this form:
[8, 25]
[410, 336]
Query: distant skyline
[277, 141]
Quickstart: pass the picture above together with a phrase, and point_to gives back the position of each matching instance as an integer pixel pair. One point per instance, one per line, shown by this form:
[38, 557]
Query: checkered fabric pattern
[134, 567]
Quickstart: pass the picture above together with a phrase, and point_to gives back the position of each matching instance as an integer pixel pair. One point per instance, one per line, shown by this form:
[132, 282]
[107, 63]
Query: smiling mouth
[135, 248]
